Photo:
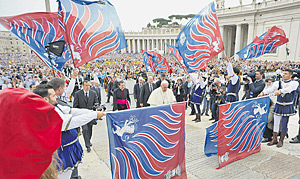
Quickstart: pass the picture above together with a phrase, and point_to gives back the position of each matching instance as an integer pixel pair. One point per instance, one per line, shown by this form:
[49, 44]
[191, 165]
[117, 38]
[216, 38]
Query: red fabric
[30, 131]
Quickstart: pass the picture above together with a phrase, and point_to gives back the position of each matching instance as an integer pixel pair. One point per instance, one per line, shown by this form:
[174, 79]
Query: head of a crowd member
[164, 85]
[179, 80]
[217, 81]
[268, 82]
[122, 85]
[32, 87]
[236, 70]
[92, 82]
[150, 79]
[188, 79]
[59, 85]
[86, 86]
[259, 75]
[96, 83]
[141, 80]
[287, 74]
[47, 92]
[163, 77]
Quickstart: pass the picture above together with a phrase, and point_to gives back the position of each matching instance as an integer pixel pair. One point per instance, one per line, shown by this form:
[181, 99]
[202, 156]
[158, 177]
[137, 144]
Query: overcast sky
[133, 14]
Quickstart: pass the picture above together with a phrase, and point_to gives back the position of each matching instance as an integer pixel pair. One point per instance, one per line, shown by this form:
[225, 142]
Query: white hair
[141, 78]
[217, 80]
[164, 82]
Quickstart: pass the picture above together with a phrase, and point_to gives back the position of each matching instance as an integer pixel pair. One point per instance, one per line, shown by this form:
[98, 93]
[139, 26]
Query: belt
[70, 143]
[233, 94]
[284, 104]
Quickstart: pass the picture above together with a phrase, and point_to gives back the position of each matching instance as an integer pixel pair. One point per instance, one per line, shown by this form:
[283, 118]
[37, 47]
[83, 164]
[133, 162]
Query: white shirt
[285, 87]
[158, 97]
[74, 117]
[234, 78]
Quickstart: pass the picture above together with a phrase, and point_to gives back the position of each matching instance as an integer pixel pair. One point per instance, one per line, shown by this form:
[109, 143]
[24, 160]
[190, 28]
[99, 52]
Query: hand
[219, 94]
[277, 93]
[135, 100]
[188, 95]
[141, 104]
[250, 79]
[75, 74]
[228, 59]
[261, 94]
[100, 114]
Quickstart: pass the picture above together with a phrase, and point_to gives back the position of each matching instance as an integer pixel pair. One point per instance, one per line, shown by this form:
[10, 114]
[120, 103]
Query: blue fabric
[233, 89]
[197, 96]
[210, 146]
[72, 154]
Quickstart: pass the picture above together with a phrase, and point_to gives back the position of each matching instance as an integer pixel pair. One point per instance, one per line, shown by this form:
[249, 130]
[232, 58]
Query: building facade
[9, 43]
[238, 25]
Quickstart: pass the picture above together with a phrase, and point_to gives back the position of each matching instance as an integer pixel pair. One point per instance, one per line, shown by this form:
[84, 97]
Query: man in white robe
[162, 95]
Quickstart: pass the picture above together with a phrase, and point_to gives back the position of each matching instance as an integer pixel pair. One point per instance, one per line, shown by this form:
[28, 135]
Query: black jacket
[80, 100]
[257, 87]
[145, 93]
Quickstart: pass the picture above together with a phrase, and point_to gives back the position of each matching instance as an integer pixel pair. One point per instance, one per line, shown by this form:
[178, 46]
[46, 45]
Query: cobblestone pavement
[270, 162]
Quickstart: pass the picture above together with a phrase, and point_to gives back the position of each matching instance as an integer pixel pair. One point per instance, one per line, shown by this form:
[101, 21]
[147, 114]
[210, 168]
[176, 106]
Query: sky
[133, 14]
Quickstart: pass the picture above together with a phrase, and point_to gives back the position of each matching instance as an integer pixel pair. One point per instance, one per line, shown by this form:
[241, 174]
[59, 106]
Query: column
[129, 45]
[237, 40]
[143, 44]
[148, 44]
[152, 44]
[220, 55]
[250, 32]
[138, 45]
[162, 45]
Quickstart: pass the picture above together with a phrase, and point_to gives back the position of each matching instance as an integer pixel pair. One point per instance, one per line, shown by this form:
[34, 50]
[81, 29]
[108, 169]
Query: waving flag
[266, 43]
[92, 29]
[242, 125]
[177, 55]
[37, 30]
[156, 62]
[200, 39]
[147, 60]
[148, 142]
[210, 147]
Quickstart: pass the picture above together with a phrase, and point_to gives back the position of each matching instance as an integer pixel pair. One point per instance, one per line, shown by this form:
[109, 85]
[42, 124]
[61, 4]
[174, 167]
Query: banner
[200, 39]
[240, 129]
[149, 65]
[148, 142]
[38, 30]
[92, 29]
[156, 62]
[266, 43]
[210, 146]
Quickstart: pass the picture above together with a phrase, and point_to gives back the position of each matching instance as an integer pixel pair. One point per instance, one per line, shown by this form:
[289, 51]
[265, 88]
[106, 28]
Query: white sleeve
[234, 78]
[293, 85]
[70, 88]
[202, 83]
[75, 117]
[271, 89]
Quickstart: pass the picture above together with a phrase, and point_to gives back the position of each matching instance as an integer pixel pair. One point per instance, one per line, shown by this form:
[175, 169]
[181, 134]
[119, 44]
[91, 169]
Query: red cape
[30, 131]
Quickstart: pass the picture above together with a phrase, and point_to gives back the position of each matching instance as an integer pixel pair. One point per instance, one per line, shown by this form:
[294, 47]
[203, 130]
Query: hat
[30, 131]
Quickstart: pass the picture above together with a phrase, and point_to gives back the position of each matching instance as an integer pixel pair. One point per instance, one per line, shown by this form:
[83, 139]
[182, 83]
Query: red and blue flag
[156, 62]
[148, 64]
[241, 127]
[92, 29]
[177, 55]
[200, 39]
[37, 30]
[148, 142]
[210, 146]
[266, 43]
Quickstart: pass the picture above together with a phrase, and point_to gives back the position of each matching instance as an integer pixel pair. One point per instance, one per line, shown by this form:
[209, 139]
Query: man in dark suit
[258, 86]
[162, 78]
[137, 92]
[146, 90]
[95, 87]
[86, 99]
[109, 89]
[121, 98]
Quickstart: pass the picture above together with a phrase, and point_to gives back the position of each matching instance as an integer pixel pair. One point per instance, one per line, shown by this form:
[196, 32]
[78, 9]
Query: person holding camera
[70, 152]
[218, 94]
[234, 82]
[178, 91]
[258, 86]
[86, 99]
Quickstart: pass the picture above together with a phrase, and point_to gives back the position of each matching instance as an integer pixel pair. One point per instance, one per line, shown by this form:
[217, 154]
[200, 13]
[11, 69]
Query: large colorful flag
[156, 62]
[92, 29]
[37, 30]
[266, 43]
[240, 129]
[200, 39]
[147, 60]
[177, 55]
[210, 147]
[148, 142]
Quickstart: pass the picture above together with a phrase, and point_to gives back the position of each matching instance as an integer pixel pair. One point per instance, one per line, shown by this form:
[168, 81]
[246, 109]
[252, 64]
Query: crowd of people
[220, 83]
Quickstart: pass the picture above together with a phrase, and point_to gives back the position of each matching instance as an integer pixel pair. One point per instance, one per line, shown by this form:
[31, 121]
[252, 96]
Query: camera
[249, 74]
[99, 107]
